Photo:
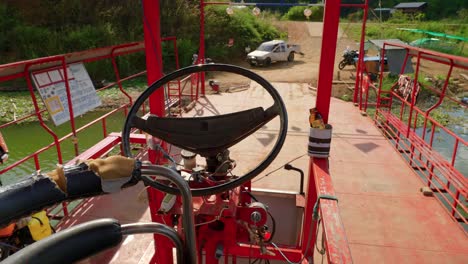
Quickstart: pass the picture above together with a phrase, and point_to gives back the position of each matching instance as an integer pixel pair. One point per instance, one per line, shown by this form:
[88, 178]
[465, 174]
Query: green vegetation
[17, 104]
[297, 13]
[456, 25]
[242, 26]
[39, 28]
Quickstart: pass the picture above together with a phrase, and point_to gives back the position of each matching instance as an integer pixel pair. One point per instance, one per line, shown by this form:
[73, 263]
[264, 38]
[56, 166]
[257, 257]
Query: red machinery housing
[229, 225]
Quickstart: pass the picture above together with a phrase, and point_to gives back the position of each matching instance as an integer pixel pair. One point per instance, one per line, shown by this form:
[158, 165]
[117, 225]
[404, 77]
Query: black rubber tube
[36, 192]
[72, 244]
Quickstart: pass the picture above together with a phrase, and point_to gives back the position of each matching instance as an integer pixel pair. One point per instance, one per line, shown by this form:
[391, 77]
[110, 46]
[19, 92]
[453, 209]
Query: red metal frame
[319, 184]
[361, 52]
[437, 172]
[337, 248]
[60, 61]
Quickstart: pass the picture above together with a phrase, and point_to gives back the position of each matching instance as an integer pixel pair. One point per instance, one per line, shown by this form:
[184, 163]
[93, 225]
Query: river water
[24, 139]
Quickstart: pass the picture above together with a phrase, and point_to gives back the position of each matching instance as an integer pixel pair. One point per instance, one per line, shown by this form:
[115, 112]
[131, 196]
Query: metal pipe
[38, 111]
[441, 99]
[117, 76]
[382, 62]
[413, 94]
[290, 167]
[187, 217]
[156, 228]
[361, 52]
[70, 107]
[201, 55]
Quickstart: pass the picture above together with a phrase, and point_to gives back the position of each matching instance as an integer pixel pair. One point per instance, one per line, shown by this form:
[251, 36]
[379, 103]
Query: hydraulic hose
[187, 218]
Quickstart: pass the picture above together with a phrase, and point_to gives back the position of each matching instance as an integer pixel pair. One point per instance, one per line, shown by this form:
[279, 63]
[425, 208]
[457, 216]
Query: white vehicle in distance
[271, 51]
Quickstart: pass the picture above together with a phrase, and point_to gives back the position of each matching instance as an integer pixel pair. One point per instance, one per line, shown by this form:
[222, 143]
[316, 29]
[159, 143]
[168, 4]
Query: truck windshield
[265, 47]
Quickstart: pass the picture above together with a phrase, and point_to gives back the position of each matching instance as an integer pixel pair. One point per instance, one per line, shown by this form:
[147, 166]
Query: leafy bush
[399, 17]
[242, 26]
[74, 25]
[296, 13]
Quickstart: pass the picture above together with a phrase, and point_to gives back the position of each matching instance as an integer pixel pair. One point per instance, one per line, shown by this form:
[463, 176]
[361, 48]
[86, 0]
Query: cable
[307, 248]
[273, 228]
[213, 220]
[279, 168]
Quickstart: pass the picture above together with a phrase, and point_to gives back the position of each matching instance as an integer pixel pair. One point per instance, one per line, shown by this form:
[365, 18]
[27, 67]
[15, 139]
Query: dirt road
[305, 68]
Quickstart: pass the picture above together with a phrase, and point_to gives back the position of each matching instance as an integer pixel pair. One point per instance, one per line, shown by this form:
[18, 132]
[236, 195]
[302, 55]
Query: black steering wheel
[208, 136]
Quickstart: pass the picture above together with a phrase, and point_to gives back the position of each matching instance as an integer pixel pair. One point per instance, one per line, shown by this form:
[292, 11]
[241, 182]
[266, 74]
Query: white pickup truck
[275, 50]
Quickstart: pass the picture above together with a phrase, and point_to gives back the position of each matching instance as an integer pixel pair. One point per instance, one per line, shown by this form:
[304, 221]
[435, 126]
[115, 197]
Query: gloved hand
[114, 171]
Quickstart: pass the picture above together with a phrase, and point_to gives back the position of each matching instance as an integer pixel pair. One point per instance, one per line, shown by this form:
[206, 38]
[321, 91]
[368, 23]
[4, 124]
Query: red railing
[413, 130]
[23, 70]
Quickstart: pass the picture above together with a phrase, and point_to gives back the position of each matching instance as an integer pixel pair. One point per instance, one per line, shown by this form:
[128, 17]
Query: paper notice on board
[51, 86]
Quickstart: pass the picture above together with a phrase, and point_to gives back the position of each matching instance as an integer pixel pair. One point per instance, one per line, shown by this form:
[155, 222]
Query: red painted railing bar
[454, 204]
[11, 77]
[441, 98]
[432, 120]
[70, 107]
[455, 150]
[382, 66]
[93, 122]
[361, 53]
[432, 176]
[37, 165]
[104, 128]
[435, 55]
[403, 66]
[20, 119]
[18, 162]
[36, 106]
[201, 55]
[117, 77]
[338, 250]
[122, 80]
[413, 93]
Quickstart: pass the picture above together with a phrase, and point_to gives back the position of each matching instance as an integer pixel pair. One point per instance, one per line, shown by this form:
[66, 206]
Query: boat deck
[386, 217]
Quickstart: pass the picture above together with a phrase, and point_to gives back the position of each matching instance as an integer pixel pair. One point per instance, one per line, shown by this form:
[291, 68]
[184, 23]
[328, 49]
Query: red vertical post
[153, 49]
[201, 54]
[413, 93]
[327, 63]
[361, 53]
[330, 28]
[308, 224]
[70, 108]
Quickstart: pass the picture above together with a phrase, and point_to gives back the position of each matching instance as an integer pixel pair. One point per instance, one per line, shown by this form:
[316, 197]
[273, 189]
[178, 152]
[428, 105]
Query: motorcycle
[349, 57]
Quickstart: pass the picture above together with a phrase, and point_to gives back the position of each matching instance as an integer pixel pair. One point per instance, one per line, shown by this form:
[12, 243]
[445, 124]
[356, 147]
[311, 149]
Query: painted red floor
[387, 219]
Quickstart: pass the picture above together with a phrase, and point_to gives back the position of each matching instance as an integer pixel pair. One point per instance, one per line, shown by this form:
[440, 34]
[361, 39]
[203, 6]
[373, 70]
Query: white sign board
[51, 86]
